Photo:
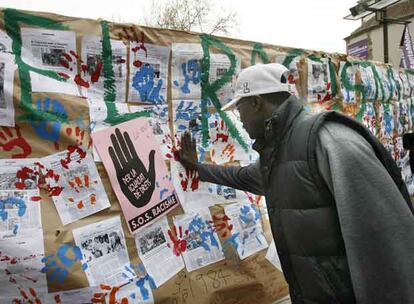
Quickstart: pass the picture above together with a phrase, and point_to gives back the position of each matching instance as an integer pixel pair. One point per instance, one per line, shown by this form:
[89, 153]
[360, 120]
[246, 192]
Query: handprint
[30, 297]
[57, 265]
[10, 141]
[221, 224]
[78, 184]
[49, 130]
[189, 180]
[192, 74]
[148, 87]
[179, 241]
[136, 182]
[99, 297]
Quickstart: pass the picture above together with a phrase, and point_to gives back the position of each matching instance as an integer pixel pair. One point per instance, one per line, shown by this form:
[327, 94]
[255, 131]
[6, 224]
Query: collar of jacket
[279, 123]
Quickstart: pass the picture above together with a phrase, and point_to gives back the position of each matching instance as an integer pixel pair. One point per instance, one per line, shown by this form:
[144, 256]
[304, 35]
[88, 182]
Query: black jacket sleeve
[246, 178]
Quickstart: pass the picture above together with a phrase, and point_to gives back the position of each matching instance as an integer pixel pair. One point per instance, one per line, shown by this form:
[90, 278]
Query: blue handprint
[47, 129]
[140, 283]
[205, 231]
[59, 271]
[144, 82]
[12, 201]
[191, 72]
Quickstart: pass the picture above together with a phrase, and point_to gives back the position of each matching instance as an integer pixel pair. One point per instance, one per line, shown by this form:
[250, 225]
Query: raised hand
[188, 153]
[136, 182]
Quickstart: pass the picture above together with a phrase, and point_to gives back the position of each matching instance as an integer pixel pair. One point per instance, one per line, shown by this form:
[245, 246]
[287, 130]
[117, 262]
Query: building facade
[368, 39]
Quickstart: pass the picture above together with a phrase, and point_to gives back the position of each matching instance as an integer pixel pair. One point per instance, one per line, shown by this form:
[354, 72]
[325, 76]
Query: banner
[407, 49]
[359, 49]
[137, 171]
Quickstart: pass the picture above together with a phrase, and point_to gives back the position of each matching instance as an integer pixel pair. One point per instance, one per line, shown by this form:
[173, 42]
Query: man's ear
[257, 103]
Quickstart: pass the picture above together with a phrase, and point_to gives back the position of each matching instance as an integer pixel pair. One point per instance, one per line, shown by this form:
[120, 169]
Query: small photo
[92, 61]
[52, 57]
[194, 240]
[220, 72]
[151, 240]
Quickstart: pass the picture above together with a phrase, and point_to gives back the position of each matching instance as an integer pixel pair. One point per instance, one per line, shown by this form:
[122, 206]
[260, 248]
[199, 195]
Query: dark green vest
[302, 211]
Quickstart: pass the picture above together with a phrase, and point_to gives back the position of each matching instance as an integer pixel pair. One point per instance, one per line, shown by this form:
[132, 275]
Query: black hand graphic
[136, 182]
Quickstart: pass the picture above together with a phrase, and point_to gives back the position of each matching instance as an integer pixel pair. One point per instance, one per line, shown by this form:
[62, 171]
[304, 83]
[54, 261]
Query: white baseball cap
[259, 79]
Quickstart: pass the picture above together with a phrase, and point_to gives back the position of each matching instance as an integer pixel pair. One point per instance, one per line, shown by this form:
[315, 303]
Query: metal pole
[385, 31]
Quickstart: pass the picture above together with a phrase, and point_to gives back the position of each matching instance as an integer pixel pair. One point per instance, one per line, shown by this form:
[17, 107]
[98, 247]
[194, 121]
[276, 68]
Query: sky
[309, 24]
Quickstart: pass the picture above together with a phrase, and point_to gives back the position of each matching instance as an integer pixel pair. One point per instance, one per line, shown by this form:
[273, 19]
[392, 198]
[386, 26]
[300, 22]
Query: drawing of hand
[10, 141]
[136, 182]
[46, 129]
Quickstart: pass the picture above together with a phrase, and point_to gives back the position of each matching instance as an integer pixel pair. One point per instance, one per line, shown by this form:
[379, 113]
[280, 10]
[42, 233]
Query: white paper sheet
[83, 193]
[21, 265]
[103, 250]
[349, 96]
[151, 243]
[7, 69]
[245, 219]
[19, 208]
[319, 81]
[186, 71]
[148, 80]
[222, 146]
[92, 61]
[202, 243]
[273, 257]
[45, 49]
[5, 43]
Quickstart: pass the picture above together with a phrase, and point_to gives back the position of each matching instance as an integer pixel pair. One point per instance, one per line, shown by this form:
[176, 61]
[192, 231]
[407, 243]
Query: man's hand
[188, 153]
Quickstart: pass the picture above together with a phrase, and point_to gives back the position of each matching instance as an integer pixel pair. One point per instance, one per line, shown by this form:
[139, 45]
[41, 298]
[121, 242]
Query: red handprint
[221, 132]
[71, 150]
[26, 175]
[79, 135]
[173, 148]
[30, 298]
[69, 61]
[190, 177]
[221, 224]
[180, 243]
[10, 141]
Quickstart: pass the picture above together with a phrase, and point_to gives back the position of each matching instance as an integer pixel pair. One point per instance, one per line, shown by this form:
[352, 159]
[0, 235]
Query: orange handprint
[78, 184]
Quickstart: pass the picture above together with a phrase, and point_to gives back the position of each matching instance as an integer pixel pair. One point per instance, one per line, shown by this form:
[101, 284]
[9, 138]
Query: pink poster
[137, 171]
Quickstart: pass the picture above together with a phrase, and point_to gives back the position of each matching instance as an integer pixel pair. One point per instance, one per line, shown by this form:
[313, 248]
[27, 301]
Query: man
[340, 214]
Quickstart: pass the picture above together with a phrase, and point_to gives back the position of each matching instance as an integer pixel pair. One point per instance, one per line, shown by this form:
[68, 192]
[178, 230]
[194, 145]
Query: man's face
[250, 116]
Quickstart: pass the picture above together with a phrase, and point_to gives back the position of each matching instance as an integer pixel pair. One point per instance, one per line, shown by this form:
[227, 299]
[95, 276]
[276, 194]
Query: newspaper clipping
[83, 193]
[148, 78]
[202, 244]
[152, 246]
[93, 67]
[46, 50]
[103, 250]
[246, 220]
